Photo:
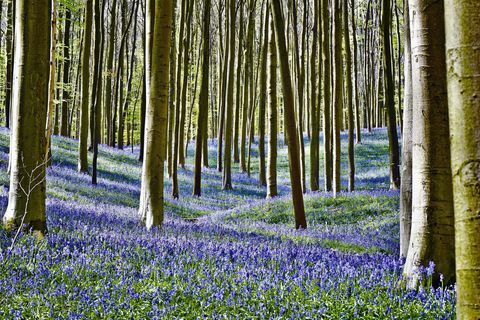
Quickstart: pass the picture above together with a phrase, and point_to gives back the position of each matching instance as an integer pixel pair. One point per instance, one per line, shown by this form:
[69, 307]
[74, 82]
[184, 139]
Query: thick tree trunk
[26, 204]
[463, 65]
[158, 35]
[291, 127]
[432, 236]
[406, 177]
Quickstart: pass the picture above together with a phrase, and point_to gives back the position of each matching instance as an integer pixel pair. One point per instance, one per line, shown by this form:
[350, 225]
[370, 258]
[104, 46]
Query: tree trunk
[327, 141]
[9, 53]
[406, 178]
[84, 127]
[349, 98]
[262, 177]
[337, 94]
[230, 64]
[463, 65]
[291, 127]
[358, 135]
[66, 74]
[200, 141]
[110, 73]
[390, 99]
[158, 35]
[432, 236]
[272, 115]
[26, 204]
[314, 109]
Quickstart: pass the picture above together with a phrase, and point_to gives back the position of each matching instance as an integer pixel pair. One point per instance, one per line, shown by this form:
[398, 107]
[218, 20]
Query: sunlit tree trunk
[406, 169]
[227, 164]
[158, 32]
[327, 141]
[26, 204]
[84, 116]
[463, 65]
[9, 56]
[432, 236]
[337, 93]
[272, 115]
[262, 175]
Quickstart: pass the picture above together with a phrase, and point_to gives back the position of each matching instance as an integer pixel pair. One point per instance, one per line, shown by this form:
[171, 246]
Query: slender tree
[26, 204]
[203, 101]
[262, 175]
[337, 93]
[66, 73]
[390, 98]
[327, 137]
[227, 164]
[406, 181]
[314, 110]
[463, 65]
[84, 122]
[10, 49]
[272, 115]
[158, 32]
[291, 127]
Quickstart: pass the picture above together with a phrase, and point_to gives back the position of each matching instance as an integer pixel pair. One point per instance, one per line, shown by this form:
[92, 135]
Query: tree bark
[327, 138]
[272, 115]
[27, 192]
[84, 126]
[432, 235]
[349, 98]
[203, 101]
[406, 177]
[463, 65]
[158, 26]
[291, 127]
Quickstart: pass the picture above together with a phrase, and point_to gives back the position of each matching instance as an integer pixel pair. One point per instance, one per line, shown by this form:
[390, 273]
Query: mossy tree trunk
[27, 193]
[158, 26]
[463, 76]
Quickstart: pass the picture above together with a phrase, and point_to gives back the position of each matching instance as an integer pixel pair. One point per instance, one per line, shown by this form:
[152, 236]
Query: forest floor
[228, 254]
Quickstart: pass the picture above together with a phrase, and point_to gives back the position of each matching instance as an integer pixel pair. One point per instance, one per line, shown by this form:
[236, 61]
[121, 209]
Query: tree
[272, 115]
[337, 93]
[314, 110]
[66, 74]
[463, 65]
[327, 138]
[109, 76]
[9, 54]
[291, 127]
[406, 181]
[262, 175]
[203, 103]
[390, 98]
[29, 115]
[349, 98]
[432, 234]
[230, 63]
[158, 26]
[84, 117]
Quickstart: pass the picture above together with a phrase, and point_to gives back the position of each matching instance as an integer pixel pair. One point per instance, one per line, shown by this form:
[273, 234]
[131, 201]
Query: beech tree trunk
[291, 127]
[158, 26]
[463, 65]
[327, 141]
[432, 235]
[272, 115]
[29, 115]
